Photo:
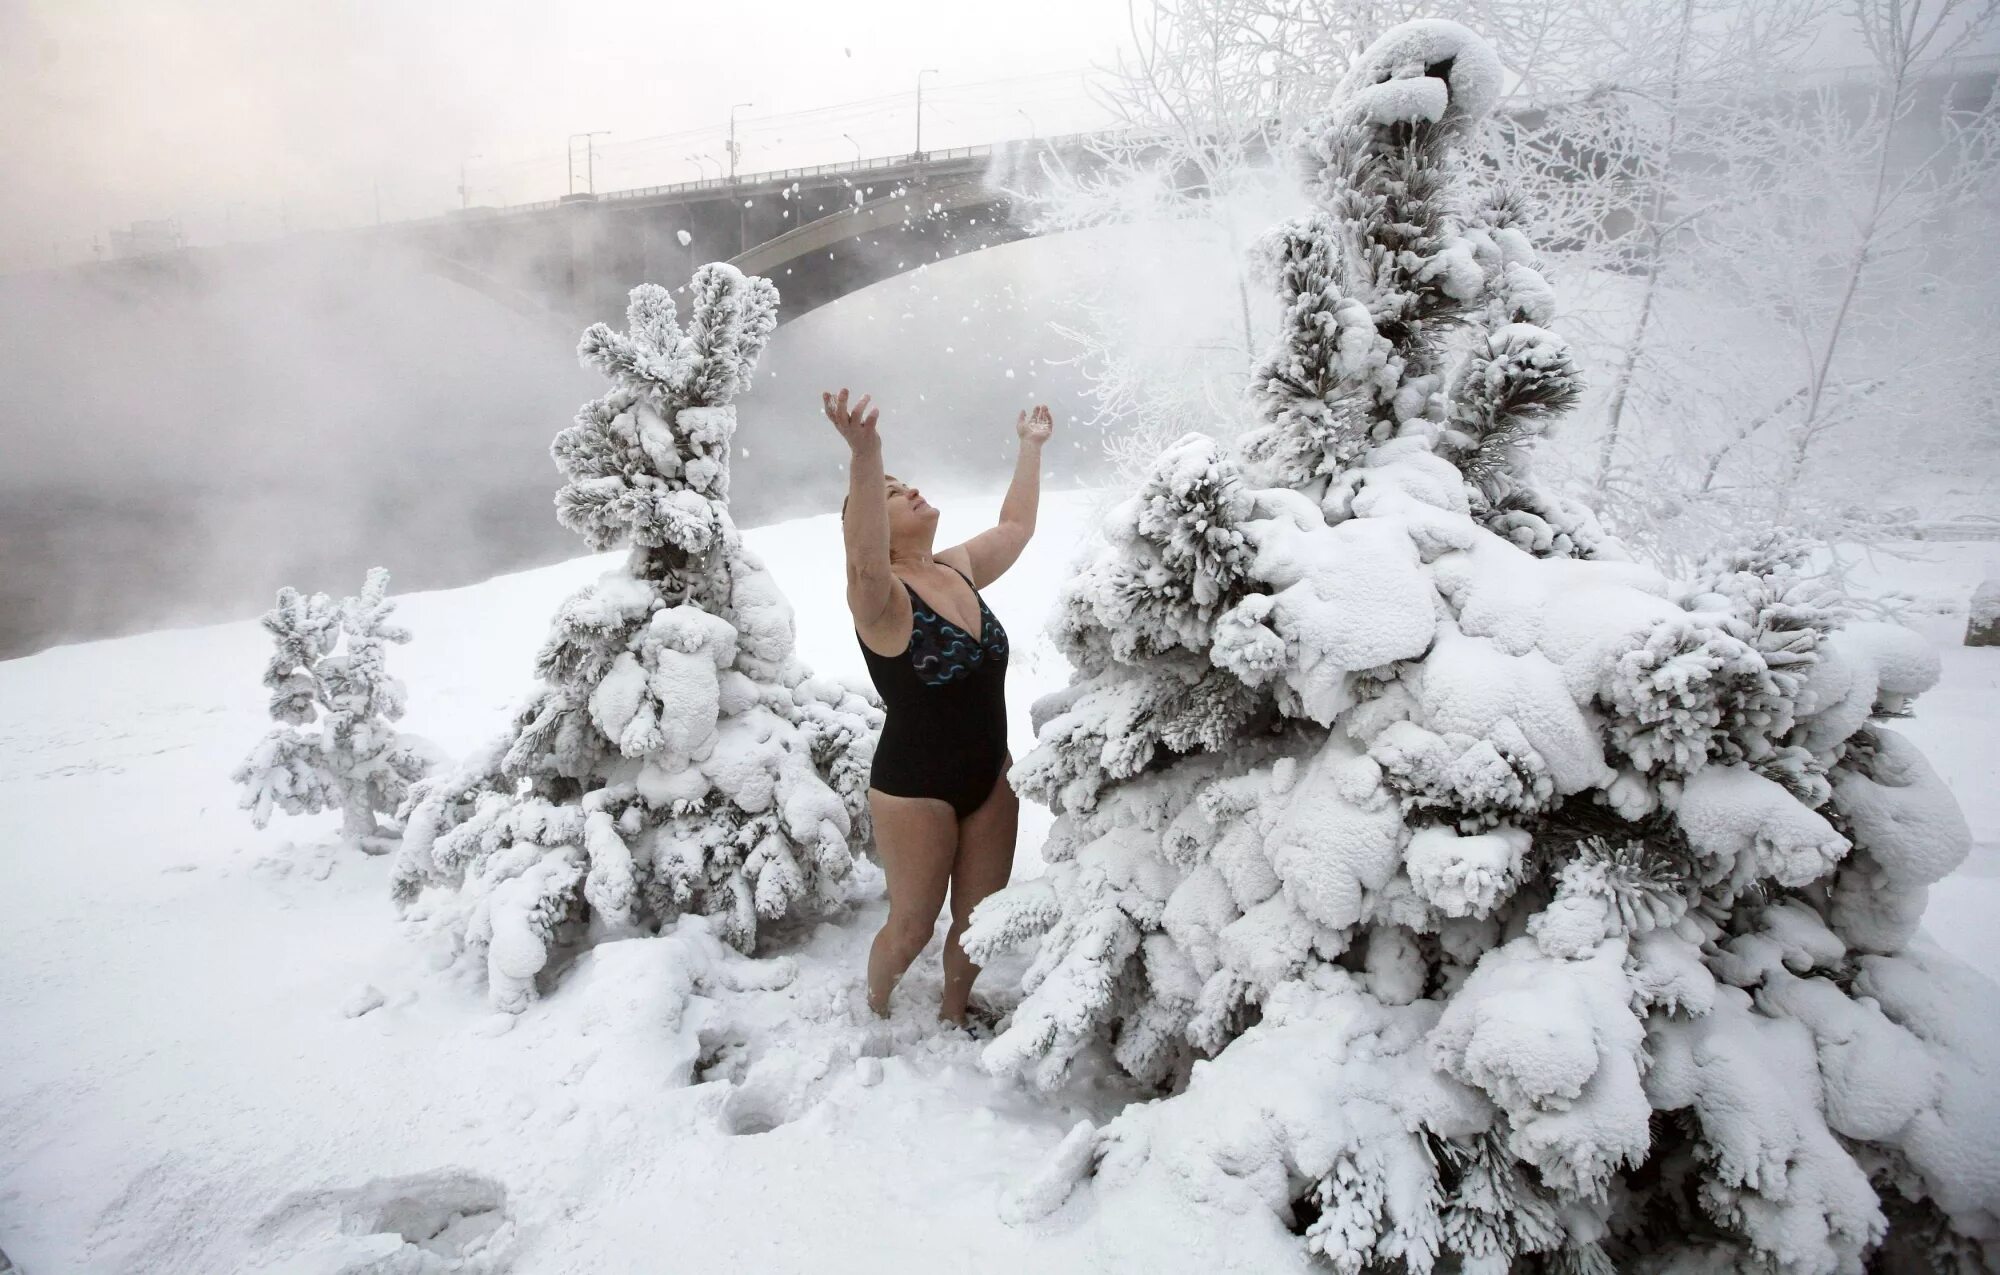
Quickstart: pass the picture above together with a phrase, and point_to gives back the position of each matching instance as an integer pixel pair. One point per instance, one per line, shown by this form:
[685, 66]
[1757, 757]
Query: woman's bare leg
[985, 861]
[916, 839]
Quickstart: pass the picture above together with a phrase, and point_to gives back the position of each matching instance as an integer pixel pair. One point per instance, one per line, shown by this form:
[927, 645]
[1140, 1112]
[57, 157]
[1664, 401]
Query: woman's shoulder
[890, 628]
[958, 558]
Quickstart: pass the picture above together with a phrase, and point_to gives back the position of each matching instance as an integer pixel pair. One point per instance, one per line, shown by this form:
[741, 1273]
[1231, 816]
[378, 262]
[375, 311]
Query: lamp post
[1033, 132]
[464, 190]
[734, 150]
[929, 70]
[857, 146]
[589, 160]
[742, 211]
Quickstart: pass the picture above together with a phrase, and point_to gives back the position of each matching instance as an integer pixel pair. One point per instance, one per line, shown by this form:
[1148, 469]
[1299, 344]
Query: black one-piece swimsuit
[945, 733]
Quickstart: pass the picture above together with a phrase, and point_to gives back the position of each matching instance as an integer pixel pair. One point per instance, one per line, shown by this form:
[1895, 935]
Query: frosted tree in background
[335, 747]
[1592, 129]
[677, 758]
[1607, 104]
[1198, 103]
[1686, 81]
[1203, 104]
[1868, 249]
[1481, 900]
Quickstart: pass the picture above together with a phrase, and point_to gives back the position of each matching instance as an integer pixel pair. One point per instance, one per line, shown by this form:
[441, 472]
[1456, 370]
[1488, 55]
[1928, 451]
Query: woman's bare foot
[980, 1019]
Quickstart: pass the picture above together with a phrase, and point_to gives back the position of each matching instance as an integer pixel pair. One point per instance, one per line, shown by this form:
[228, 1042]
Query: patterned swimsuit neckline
[918, 604]
[937, 655]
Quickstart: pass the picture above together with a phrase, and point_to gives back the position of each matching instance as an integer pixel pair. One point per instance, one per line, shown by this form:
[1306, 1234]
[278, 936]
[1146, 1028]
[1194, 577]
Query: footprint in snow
[441, 1220]
[778, 1089]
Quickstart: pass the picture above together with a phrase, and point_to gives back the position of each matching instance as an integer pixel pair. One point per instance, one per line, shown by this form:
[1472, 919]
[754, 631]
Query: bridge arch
[830, 256]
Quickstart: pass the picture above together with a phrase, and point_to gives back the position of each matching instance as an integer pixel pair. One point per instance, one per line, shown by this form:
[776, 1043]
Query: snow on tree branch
[356, 761]
[676, 758]
[1479, 898]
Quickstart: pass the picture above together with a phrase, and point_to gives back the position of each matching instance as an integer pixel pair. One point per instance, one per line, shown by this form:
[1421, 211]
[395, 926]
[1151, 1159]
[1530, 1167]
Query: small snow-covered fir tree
[1483, 900]
[677, 758]
[353, 760]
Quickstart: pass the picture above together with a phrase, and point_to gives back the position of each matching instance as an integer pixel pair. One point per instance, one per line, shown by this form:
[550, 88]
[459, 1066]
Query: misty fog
[185, 440]
[188, 431]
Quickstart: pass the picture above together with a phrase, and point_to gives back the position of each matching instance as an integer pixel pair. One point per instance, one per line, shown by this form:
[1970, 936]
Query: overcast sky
[224, 112]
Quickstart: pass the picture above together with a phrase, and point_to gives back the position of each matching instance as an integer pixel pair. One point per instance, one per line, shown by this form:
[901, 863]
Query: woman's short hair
[843, 499]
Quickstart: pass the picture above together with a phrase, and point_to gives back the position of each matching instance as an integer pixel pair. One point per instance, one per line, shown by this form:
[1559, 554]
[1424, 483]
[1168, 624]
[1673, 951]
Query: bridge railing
[1962, 66]
[876, 164]
[1951, 68]
[707, 185]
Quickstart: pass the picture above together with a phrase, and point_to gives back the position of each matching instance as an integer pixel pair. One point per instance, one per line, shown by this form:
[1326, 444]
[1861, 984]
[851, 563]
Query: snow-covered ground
[1957, 725]
[191, 1078]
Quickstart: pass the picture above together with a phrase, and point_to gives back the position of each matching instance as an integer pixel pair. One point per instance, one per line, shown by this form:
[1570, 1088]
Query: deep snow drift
[191, 1079]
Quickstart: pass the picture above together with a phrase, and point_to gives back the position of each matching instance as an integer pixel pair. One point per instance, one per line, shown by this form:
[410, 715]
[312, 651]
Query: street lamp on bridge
[857, 146]
[589, 158]
[929, 70]
[734, 150]
[465, 191]
[1033, 132]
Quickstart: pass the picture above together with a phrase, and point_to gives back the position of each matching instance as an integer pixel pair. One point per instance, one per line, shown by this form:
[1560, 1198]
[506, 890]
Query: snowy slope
[182, 1089]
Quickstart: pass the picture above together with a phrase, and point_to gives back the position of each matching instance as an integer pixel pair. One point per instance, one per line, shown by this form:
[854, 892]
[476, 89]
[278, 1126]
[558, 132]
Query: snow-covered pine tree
[677, 757]
[354, 761]
[1480, 899]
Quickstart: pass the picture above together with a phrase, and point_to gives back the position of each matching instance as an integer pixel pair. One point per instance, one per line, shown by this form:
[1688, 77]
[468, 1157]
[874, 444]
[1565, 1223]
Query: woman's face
[910, 515]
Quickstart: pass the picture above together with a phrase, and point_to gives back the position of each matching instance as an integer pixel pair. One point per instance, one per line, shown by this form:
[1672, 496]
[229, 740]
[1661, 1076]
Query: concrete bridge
[818, 233]
[570, 261]
[573, 260]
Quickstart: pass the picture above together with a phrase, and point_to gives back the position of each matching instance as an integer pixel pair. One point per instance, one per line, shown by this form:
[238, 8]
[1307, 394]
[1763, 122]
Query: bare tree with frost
[335, 747]
[1210, 91]
[1757, 223]
[1200, 103]
[1671, 103]
[1477, 899]
[677, 758]
[1864, 250]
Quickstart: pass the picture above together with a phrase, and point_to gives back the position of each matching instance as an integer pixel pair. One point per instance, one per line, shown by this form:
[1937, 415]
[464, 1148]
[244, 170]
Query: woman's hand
[856, 425]
[1035, 428]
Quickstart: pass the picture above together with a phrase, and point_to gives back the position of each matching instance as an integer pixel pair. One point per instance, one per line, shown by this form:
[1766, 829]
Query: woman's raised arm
[991, 552]
[870, 586]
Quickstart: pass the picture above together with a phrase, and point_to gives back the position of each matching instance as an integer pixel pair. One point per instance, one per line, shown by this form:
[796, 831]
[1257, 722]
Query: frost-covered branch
[1477, 898]
[355, 761]
[676, 758]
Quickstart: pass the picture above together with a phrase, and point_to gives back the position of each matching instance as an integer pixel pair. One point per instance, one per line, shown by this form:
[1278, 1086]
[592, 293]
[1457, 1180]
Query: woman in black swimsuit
[943, 811]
